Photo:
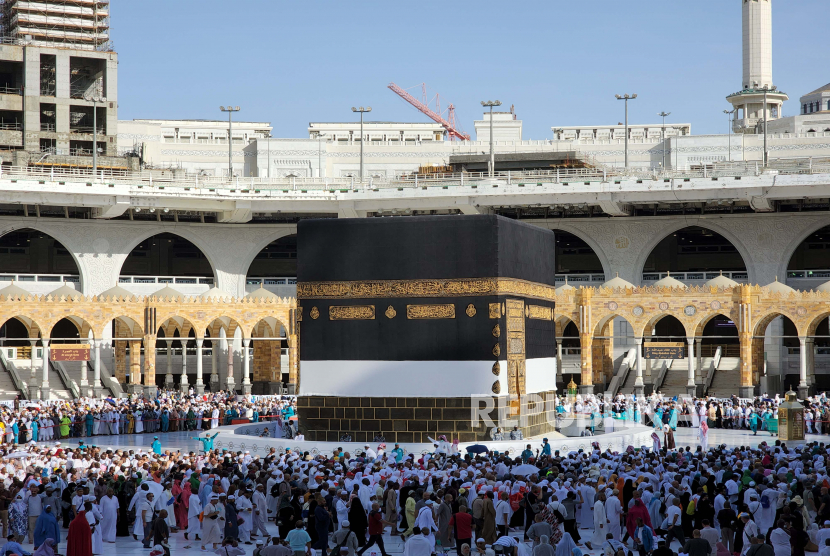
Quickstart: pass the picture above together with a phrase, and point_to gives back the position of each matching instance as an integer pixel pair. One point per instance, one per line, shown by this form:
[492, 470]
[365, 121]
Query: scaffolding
[79, 24]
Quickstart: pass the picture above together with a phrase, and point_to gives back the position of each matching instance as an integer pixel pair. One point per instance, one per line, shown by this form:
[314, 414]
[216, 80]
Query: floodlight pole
[230, 110]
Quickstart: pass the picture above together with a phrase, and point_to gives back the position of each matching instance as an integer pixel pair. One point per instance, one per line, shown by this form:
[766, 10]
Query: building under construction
[58, 84]
[80, 24]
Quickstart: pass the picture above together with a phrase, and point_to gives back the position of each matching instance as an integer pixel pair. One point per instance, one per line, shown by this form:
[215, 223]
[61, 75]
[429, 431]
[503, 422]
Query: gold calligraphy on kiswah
[430, 311]
[369, 289]
[352, 312]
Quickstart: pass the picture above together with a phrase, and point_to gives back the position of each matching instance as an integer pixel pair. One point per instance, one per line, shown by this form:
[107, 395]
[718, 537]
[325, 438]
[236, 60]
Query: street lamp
[491, 104]
[230, 110]
[678, 131]
[320, 137]
[626, 98]
[362, 111]
[765, 90]
[663, 115]
[95, 99]
[729, 128]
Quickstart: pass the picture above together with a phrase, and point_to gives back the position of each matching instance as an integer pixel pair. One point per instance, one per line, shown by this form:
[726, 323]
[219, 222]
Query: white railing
[713, 367]
[19, 383]
[69, 383]
[618, 380]
[578, 278]
[809, 274]
[108, 381]
[28, 277]
[350, 183]
[166, 280]
[738, 276]
[663, 368]
[290, 281]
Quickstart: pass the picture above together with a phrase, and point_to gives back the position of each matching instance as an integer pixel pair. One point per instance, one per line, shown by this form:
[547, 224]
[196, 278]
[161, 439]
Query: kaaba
[403, 322]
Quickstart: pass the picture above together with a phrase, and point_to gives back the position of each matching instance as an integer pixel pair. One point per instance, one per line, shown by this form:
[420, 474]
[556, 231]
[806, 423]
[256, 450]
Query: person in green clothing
[527, 454]
[398, 453]
[65, 422]
[753, 423]
[207, 441]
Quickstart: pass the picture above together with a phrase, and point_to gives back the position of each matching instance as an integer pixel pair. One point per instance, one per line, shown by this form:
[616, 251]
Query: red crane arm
[451, 130]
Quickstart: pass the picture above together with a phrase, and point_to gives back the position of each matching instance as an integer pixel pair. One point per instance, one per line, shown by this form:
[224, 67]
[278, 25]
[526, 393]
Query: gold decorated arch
[138, 319]
[750, 307]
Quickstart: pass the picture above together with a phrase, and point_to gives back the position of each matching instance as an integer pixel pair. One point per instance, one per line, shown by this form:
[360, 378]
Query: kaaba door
[515, 352]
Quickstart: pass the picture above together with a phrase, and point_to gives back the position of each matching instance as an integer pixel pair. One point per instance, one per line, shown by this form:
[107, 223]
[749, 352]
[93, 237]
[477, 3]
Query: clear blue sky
[559, 62]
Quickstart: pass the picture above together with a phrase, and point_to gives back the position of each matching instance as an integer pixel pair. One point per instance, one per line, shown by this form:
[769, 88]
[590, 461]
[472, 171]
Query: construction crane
[449, 123]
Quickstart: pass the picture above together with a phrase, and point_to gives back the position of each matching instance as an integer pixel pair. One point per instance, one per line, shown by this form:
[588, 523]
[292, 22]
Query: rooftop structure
[193, 146]
[817, 101]
[405, 132]
[505, 127]
[79, 24]
[612, 133]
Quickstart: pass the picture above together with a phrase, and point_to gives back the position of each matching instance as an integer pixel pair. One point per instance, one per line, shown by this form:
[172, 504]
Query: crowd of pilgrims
[734, 413]
[767, 501]
[169, 411]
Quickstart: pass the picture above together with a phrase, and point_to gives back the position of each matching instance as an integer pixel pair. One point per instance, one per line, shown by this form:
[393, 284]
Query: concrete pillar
[691, 388]
[246, 366]
[639, 385]
[200, 385]
[803, 387]
[44, 385]
[97, 389]
[168, 377]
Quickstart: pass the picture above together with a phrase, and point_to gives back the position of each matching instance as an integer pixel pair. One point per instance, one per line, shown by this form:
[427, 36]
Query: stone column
[559, 359]
[150, 387]
[84, 377]
[120, 353]
[34, 391]
[691, 388]
[803, 387]
[639, 385]
[183, 383]
[200, 385]
[97, 389]
[168, 378]
[44, 385]
[230, 383]
[214, 364]
[246, 366]
[699, 352]
[134, 386]
[586, 341]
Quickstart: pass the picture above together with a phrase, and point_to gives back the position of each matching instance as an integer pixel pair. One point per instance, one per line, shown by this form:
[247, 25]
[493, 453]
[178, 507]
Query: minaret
[757, 42]
[757, 70]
